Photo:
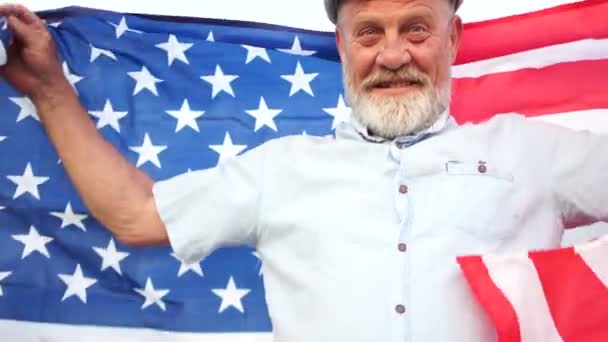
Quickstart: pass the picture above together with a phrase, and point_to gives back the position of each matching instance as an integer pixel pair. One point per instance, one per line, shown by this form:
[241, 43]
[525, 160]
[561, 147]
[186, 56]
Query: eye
[417, 29]
[368, 35]
[368, 31]
[417, 33]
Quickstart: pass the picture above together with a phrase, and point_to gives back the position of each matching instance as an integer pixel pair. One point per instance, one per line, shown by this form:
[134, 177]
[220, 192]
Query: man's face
[396, 57]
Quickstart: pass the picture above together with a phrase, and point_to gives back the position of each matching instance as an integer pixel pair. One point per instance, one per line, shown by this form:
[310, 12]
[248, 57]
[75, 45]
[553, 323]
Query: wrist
[48, 98]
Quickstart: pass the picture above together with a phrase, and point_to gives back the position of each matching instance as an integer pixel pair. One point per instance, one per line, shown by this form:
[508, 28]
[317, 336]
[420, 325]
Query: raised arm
[117, 193]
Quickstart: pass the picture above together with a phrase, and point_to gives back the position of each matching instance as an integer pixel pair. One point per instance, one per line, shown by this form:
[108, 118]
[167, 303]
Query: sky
[306, 14]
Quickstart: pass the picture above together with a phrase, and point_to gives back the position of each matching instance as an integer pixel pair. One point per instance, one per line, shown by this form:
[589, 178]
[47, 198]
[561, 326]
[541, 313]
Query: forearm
[117, 193]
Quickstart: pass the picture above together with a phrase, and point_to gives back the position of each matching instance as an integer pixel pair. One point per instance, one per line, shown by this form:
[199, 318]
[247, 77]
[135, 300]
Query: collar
[356, 131]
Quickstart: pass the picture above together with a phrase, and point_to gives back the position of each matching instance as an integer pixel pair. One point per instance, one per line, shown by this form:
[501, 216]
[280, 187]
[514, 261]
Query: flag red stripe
[491, 298]
[559, 88]
[558, 25]
[577, 299]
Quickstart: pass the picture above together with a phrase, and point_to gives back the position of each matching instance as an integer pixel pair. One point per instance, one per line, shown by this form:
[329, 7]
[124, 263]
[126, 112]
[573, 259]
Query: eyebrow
[372, 20]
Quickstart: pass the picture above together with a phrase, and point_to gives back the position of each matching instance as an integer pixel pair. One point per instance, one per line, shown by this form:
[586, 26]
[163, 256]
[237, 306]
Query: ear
[339, 40]
[455, 35]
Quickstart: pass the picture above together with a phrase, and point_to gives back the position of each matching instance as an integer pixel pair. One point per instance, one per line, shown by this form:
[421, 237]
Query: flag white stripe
[594, 254]
[37, 332]
[516, 277]
[593, 120]
[582, 50]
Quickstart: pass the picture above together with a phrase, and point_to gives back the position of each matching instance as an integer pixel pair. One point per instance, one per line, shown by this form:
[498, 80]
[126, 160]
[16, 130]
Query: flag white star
[144, 80]
[227, 150]
[152, 295]
[300, 80]
[56, 24]
[253, 52]
[2, 138]
[186, 117]
[210, 37]
[27, 108]
[4, 23]
[108, 117]
[2, 208]
[111, 257]
[185, 267]
[175, 49]
[27, 182]
[341, 112]
[261, 271]
[220, 82]
[148, 152]
[296, 49]
[72, 78]
[122, 27]
[264, 116]
[68, 217]
[231, 296]
[33, 242]
[3, 276]
[77, 284]
[96, 52]
[3, 54]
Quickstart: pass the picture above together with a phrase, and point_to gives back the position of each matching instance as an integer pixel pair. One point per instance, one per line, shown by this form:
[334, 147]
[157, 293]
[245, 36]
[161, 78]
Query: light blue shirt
[359, 238]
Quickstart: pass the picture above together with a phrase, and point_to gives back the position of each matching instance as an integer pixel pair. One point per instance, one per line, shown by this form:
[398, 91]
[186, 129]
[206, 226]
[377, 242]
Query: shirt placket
[402, 239]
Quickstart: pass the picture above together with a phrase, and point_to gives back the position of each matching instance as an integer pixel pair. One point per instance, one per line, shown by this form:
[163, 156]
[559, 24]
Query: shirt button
[403, 189]
[400, 309]
[482, 168]
[402, 247]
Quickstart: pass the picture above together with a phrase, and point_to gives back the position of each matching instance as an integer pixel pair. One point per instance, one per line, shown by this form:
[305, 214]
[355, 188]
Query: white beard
[394, 116]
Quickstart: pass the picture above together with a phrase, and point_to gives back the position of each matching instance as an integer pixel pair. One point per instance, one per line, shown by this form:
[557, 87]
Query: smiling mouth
[397, 84]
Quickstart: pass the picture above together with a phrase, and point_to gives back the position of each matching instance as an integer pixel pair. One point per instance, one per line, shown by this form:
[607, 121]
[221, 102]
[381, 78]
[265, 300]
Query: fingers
[21, 12]
[28, 16]
[6, 10]
[25, 24]
[23, 32]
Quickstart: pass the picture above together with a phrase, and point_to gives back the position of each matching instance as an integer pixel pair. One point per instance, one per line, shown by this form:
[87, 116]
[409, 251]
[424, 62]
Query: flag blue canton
[172, 95]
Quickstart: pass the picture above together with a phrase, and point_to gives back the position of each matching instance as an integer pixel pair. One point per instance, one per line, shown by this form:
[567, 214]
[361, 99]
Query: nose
[393, 54]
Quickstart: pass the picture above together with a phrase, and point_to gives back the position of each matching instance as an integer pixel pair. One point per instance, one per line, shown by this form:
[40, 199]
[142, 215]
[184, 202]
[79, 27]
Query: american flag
[179, 94]
[556, 295]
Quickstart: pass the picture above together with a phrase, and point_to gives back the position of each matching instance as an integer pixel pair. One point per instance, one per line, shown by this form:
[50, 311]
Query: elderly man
[359, 234]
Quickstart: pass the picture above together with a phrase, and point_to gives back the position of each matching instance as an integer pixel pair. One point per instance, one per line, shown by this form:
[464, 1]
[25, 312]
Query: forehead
[354, 8]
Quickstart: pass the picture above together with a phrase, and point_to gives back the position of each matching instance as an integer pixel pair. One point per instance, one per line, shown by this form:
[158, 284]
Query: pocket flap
[477, 168]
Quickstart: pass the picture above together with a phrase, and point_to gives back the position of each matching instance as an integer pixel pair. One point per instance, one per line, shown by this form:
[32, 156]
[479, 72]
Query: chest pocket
[476, 198]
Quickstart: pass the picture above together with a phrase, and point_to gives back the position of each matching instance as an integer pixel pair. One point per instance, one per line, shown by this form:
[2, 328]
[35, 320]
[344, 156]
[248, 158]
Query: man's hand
[33, 67]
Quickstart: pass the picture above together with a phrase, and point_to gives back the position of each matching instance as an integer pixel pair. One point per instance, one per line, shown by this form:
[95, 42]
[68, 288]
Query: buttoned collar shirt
[359, 236]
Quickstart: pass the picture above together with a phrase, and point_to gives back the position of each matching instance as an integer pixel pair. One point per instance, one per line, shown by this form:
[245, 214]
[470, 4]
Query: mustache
[407, 75]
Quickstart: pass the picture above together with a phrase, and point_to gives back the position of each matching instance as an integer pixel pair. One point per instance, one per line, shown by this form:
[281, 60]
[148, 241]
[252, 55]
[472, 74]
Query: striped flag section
[18, 331]
[554, 296]
[542, 63]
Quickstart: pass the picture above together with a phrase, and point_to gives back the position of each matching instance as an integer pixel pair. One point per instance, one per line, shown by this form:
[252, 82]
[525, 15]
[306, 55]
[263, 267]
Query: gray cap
[331, 7]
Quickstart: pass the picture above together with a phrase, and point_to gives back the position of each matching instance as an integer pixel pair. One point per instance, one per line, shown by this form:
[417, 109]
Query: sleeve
[578, 169]
[207, 209]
